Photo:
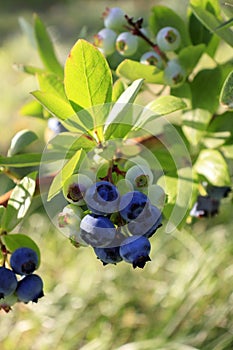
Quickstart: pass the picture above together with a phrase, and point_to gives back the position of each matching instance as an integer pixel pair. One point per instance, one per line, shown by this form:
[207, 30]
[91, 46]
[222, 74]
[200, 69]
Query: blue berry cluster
[24, 288]
[208, 205]
[116, 225]
[128, 38]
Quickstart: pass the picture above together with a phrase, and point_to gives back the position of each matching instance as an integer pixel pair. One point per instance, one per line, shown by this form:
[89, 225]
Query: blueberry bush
[140, 140]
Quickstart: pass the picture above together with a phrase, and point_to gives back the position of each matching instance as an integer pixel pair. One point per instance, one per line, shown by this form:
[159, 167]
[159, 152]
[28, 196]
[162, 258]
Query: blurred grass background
[182, 300]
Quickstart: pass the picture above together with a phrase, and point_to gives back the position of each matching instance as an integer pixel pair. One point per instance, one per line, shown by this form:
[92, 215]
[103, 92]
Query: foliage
[184, 133]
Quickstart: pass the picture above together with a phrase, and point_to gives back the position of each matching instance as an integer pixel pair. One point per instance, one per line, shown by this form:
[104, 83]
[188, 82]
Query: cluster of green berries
[18, 283]
[123, 35]
[116, 224]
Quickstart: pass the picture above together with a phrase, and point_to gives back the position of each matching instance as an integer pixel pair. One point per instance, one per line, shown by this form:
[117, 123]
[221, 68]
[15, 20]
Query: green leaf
[194, 124]
[28, 69]
[21, 140]
[118, 89]
[133, 70]
[21, 160]
[2, 213]
[190, 55]
[28, 159]
[206, 88]
[18, 240]
[88, 78]
[219, 130]
[28, 30]
[69, 168]
[208, 15]
[213, 166]
[163, 16]
[122, 112]
[32, 109]
[226, 96]
[19, 202]
[61, 109]
[45, 48]
[72, 142]
[51, 83]
[181, 192]
[161, 106]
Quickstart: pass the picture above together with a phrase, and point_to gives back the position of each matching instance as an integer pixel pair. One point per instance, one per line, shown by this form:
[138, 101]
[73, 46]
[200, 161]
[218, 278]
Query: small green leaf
[72, 142]
[21, 140]
[226, 96]
[28, 30]
[2, 213]
[61, 109]
[21, 160]
[19, 202]
[208, 14]
[122, 112]
[190, 55]
[28, 69]
[133, 70]
[213, 166]
[194, 124]
[181, 191]
[68, 169]
[206, 88]
[51, 83]
[118, 89]
[18, 240]
[161, 106]
[88, 78]
[219, 131]
[45, 48]
[28, 160]
[163, 16]
[32, 109]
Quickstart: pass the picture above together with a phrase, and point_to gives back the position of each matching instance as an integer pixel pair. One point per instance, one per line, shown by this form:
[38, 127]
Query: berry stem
[135, 29]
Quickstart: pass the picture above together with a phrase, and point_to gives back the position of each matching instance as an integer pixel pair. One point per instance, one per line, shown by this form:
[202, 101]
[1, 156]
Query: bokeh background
[182, 300]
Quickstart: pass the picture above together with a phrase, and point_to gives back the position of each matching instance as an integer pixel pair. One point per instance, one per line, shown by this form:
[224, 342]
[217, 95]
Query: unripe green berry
[174, 73]
[168, 39]
[140, 176]
[127, 44]
[152, 58]
[75, 187]
[114, 18]
[105, 41]
[69, 223]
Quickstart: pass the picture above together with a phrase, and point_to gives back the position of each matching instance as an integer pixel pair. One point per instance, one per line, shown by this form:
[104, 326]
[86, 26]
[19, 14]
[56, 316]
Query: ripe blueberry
[218, 192]
[98, 231]
[147, 223]
[56, 126]
[174, 73]
[105, 40]
[30, 288]
[168, 39]
[102, 198]
[126, 44]
[8, 282]
[114, 18]
[24, 261]
[135, 250]
[132, 204]
[140, 176]
[205, 207]
[108, 255]
[152, 58]
[75, 187]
